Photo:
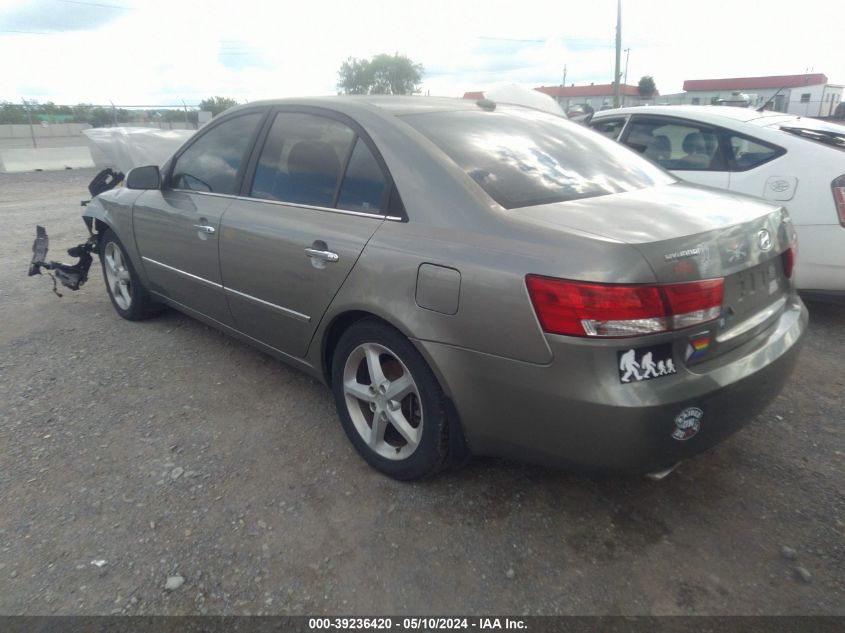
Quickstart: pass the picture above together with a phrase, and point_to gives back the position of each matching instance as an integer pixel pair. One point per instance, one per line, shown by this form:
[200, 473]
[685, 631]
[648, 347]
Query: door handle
[205, 228]
[326, 256]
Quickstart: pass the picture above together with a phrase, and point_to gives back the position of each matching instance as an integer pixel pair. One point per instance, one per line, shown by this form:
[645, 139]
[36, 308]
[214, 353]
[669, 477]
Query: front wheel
[389, 402]
[128, 296]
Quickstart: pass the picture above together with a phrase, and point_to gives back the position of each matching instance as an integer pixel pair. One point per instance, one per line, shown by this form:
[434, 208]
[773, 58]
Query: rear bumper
[574, 412]
[821, 258]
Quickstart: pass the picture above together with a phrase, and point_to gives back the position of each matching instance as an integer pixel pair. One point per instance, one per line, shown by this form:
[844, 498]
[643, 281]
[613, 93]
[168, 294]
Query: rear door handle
[326, 256]
[205, 228]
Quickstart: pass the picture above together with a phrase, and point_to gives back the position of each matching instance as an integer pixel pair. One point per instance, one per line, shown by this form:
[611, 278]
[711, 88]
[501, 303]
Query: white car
[797, 161]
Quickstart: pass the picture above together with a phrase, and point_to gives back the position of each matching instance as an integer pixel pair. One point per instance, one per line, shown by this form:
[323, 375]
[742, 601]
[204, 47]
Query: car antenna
[763, 107]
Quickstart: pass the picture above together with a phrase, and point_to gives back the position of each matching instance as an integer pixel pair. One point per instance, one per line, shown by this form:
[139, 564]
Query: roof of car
[711, 113]
[396, 105]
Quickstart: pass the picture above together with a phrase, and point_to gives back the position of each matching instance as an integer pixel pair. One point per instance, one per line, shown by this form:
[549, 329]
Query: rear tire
[128, 296]
[389, 402]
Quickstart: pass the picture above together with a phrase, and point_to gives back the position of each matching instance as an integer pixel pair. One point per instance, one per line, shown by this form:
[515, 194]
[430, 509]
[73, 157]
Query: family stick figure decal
[646, 363]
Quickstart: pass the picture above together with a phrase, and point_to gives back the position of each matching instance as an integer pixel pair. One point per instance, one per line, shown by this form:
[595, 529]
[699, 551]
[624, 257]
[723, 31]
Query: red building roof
[593, 90]
[756, 83]
[474, 95]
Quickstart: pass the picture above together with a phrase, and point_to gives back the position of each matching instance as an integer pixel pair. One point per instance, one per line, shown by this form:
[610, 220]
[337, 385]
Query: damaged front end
[72, 276]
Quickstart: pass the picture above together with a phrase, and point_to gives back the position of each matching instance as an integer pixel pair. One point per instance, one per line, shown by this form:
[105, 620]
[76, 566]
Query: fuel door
[780, 187]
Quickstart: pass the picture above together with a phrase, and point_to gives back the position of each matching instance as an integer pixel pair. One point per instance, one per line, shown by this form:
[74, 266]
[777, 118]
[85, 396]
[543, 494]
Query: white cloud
[166, 51]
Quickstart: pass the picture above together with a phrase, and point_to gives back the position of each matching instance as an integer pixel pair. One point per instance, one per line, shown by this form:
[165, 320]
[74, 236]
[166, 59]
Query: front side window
[302, 159]
[805, 97]
[674, 144]
[211, 163]
[609, 127]
[522, 157]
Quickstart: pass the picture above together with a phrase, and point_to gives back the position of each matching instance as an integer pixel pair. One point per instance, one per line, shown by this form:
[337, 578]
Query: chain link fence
[33, 124]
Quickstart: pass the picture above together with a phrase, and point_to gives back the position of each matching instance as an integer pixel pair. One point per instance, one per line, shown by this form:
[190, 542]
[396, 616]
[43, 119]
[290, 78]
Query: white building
[597, 96]
[808, 95]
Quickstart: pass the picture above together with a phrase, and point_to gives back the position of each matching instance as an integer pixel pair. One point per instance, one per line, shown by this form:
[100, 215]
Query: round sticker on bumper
[687, 423]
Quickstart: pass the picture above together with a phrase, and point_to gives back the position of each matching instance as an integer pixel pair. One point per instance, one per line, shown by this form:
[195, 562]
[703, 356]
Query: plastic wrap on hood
[128, 147]
[519, 95]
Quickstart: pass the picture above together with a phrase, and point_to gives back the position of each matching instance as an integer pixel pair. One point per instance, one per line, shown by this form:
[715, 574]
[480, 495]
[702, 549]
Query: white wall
[808, 108]
[15, 130]
[599, 101]
[706, 97]
[830, 99]
[53, 130]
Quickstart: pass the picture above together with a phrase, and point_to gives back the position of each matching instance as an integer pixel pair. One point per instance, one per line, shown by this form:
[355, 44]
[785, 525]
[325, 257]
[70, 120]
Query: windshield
[523, 157]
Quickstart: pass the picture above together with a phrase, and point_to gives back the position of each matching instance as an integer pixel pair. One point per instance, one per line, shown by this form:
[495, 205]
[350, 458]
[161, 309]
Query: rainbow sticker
[697, 347]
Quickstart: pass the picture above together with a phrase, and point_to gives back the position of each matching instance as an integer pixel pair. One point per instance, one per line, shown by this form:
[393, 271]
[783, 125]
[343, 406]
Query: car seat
[660, 149]
[696, 151]
[313, 170]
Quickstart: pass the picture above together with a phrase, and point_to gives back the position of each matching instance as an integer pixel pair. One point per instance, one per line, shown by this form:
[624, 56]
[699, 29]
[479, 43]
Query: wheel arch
[96, 225]
[338, 325]
[98, 216]
[459, 450]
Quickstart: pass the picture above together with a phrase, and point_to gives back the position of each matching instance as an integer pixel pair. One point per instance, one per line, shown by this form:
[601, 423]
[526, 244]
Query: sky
[157, 52]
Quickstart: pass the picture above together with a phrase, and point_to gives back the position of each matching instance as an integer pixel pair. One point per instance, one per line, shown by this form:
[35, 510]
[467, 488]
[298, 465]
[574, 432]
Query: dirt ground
[133, 453]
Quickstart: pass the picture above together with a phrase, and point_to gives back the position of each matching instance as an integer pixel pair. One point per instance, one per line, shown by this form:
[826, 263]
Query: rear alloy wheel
[389, 402]
[128, 296]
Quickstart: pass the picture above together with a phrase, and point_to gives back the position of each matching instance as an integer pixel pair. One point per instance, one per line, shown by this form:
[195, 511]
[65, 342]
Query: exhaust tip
[657, 475]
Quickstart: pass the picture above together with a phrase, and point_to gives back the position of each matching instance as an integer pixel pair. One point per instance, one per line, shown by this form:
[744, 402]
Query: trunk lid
[689, 233]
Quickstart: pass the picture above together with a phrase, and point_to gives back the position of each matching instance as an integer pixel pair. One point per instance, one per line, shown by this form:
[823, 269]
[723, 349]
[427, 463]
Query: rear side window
[523, 157]
[609, 127]
[211, 164]
[676, 144]
[301, 161]
[747, 153]
[363, 184]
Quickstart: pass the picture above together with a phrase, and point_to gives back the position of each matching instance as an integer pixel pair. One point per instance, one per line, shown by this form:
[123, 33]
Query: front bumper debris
[70, 275]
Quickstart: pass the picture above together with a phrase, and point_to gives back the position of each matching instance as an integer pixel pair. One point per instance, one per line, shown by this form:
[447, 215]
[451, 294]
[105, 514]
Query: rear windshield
[523, 157]
[833, 136]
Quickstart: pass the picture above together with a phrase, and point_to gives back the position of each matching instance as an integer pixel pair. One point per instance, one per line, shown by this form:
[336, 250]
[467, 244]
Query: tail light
[838, 187]
[788, 258]
[585, 309]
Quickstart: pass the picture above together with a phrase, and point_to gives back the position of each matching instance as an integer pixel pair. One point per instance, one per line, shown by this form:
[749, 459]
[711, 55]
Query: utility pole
[29, 116]
[562, 86]
[617, 73]
[625, 83]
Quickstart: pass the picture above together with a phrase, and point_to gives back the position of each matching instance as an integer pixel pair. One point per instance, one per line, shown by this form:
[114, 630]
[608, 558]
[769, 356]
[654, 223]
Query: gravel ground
[164, 468]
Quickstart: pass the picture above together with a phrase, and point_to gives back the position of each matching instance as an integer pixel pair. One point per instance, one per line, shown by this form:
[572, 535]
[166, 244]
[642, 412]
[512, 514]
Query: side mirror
[147, 177]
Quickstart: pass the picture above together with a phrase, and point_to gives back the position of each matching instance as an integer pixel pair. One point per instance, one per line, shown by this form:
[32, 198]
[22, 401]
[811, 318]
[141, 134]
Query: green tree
[383, 74]
[355, 76]
[100, 117]
[80, 112]
[216, 105]
[12, 112]
[646, 87]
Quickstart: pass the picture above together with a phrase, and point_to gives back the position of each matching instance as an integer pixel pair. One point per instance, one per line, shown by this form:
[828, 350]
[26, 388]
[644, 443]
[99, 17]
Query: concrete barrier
[44, 158]
[23, 131]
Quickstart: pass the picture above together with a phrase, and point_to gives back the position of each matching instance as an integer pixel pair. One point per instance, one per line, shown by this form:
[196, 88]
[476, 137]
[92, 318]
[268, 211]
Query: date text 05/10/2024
[412, 624]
